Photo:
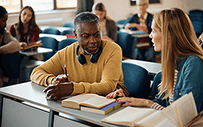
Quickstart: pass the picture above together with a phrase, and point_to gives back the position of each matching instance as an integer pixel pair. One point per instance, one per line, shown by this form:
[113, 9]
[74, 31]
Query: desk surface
[57, 27]
[32, 93]
[137, 34]
[40, 50]
[151, 67]
[57, 37]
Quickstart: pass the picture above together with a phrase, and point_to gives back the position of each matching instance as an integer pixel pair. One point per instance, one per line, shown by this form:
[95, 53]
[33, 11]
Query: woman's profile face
[3, 21]
[156, 37]
[100, 14]
[26, 15]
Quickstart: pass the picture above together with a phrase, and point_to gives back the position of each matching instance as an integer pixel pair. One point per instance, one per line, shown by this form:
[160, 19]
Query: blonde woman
[182, 61]
[108, 26]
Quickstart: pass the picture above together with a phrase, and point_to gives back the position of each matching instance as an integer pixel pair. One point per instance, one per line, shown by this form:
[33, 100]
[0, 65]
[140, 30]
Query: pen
[66, 73]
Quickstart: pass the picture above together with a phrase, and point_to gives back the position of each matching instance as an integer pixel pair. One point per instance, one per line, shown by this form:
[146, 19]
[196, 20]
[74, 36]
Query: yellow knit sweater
[101, 77]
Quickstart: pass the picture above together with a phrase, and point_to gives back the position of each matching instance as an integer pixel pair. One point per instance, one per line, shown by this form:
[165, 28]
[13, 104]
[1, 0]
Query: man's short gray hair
[85, 17]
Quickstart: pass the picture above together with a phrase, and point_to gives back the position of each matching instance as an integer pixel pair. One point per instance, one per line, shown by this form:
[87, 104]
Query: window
[66, 3]
[39, 5]
[13, 6]
[133, 2]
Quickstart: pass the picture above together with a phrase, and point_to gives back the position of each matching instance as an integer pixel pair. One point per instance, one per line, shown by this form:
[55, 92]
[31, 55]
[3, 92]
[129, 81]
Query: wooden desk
[32, 93]
[57, 37]
[26, 63]
[151, 67]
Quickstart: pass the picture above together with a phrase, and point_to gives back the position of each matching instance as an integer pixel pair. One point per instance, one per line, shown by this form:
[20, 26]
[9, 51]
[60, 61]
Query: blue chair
[124, 40]
[70, 31]
[196, 12]
[62, 44]
[136, 79]
[49, 42]
[68, 24]
[51, 30]
[10, 66]
[122, 21]
[196, 17]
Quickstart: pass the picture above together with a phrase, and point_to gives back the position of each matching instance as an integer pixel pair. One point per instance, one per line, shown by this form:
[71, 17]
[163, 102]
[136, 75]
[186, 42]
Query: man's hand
[59, 88]
[57, 91]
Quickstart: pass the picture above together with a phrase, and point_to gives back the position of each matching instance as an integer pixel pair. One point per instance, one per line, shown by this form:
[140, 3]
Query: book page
[156, 119]
[80, 98]
[198, 120]
[74, 102]
[186, 109]
[170, 112]
[97, 102]
[129, 116]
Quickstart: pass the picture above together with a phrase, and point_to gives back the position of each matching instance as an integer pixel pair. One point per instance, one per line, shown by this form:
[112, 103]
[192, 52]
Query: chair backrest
[196, 12]
[70, 31]
[49, 42]
[51, 30]
[136, 79]
[10, 66]
[62, 44]
[122, 21]
[68, 24]
[125, 42]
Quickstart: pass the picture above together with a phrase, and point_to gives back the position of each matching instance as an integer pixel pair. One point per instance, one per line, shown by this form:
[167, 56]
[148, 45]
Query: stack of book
[91, 103]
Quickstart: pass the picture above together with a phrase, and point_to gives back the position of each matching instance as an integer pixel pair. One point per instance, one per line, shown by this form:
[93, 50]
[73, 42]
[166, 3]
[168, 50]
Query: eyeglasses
[141, 5]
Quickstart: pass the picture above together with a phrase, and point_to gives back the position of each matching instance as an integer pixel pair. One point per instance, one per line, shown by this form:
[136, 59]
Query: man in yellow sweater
[93, 65]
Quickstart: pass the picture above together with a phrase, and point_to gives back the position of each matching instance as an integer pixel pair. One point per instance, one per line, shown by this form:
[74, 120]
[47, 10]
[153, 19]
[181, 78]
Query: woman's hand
[136, 102]
[201, 38]
[142, 27]
[130, 25]
[115, 94]
[38, 45]
[23, 44]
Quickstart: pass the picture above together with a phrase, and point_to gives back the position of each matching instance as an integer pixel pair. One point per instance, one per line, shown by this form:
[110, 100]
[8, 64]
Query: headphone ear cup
[94, 58]
[81, 59]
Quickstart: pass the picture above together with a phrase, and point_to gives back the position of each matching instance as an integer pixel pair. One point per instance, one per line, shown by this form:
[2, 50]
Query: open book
[178, 114]
[38, 43]
[89, 100]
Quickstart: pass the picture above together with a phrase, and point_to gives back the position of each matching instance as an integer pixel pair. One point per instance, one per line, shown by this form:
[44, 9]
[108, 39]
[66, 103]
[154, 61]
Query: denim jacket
[189, 79]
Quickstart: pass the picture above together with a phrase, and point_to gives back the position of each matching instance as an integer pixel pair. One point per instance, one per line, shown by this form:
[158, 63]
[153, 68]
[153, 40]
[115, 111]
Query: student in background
[108, 26]
[8, 44]
[93, 64]
[182, 61]
[26, 31]
[142, 21]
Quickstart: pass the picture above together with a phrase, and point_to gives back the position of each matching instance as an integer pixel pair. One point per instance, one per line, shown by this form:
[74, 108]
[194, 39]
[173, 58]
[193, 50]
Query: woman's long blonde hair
[100, 7]
[178, 41]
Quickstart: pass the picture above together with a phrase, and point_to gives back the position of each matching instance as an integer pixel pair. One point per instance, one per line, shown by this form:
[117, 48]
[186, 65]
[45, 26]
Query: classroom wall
[116, 9]
[47, 18]
[121, 9]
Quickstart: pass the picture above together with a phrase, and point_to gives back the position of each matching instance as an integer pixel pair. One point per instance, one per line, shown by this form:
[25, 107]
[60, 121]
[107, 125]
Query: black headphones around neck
[93, 58]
